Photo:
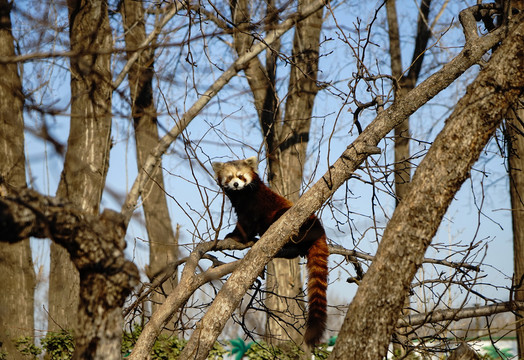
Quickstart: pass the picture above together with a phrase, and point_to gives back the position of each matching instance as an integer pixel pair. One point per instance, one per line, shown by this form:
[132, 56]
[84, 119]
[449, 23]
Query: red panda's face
[236, 180]
[234, 175]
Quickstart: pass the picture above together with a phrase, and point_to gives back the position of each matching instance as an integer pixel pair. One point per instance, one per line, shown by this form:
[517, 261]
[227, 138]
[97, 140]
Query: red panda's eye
[241, 177]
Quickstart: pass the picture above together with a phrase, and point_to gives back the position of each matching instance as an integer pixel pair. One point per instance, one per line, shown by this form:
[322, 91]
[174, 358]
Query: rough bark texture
[16, 266]
[275, 237]
[87, 157]
[95, 245]
[515, 129]
[163, 245]
[373, 314]
[515, 133]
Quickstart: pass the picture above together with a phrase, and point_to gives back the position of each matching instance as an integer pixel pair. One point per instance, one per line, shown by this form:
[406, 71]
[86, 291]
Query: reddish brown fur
[257, 207]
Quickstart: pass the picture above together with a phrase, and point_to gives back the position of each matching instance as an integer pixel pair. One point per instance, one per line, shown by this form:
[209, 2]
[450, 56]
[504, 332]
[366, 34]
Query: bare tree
[163, 244]
[373, 313]
[95, 245]
[515, 162]
[403, 85]
[87, 157]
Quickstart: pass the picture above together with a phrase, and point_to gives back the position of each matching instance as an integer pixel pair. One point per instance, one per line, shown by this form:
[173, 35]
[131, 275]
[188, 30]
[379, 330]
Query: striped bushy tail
[317, 259]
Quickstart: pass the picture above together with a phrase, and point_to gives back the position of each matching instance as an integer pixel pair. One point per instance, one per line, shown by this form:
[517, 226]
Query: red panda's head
[237, 174]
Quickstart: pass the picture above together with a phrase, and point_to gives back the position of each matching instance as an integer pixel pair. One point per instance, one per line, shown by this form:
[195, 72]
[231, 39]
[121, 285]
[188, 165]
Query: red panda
[257, 207]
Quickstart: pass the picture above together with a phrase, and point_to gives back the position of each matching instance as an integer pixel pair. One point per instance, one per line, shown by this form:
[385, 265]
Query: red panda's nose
[235, 184]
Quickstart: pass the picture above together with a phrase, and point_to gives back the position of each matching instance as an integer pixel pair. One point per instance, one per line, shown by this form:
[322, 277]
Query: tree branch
[458, 314]
[96, 247]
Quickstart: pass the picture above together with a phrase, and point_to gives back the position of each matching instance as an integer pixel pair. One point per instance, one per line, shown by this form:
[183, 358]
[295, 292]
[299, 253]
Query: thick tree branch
[93, 242]
[414, 223]
[96, 247]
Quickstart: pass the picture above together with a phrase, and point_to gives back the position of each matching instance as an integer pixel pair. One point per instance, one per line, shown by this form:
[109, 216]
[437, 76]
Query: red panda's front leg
[239, 235]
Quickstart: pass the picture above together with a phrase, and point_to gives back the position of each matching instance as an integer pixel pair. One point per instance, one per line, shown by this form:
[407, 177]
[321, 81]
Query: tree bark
[515, 143]
[373, 314]
[16, 265]
[228, 298]
[87, 158]
[163, 244]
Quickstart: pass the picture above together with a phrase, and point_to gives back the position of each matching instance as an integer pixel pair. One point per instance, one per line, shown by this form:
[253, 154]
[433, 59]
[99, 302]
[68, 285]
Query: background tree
[515, 141]
[515, 162]
[163, 244]
[397, 260]
[286, 141]
[16, 265]
[87, 157]
[403, 85]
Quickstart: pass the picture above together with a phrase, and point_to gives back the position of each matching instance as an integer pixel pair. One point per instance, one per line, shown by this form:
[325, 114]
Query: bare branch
[458, 314]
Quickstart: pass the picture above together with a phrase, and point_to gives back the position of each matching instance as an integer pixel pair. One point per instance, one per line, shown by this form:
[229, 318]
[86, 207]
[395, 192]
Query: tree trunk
[286, 167]
[373, 314]
[16, 266]
[87, 158]
[515, 133]
[405, 84]
[163, 244]
[515, 141]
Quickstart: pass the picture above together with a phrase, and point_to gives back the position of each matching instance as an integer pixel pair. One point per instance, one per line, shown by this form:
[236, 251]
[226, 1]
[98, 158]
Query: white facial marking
[236, 181]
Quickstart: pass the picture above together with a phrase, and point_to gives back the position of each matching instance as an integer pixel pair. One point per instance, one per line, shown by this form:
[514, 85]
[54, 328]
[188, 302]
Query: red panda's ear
[252, 162]
[217, 166]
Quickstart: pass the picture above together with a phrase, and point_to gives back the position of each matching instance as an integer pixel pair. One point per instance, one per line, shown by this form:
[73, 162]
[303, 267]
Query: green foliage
[165, 347]
[263, 351]
[58, 345]
[26, 346]
[129, 340]
[3, 355]
[494, 353]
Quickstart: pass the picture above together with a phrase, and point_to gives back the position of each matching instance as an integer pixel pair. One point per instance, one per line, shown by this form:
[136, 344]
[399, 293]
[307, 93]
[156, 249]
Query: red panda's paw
[234, 237]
